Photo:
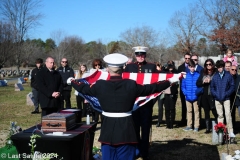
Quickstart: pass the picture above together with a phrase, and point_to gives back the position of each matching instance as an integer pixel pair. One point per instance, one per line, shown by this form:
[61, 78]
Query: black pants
[87, 109]
[184, 107]
[46, 111]
[233, 114]
[160, 109]
[208, 104]
[66, 95]
[170, 109]
[143, 120]
[79, 101]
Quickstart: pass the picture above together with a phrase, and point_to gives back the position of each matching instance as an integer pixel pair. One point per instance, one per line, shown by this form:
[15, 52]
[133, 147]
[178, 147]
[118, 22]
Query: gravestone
[21, 80]
[214, 134]
[30, 99]
[3, 83]
[18, 87]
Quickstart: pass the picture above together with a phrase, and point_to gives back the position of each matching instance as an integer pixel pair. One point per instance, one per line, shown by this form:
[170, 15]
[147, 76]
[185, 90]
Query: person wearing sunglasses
[142, 116]
[236, 77]
[65, 72]
[183, 68]
[221, 87]
[206, 100]
[96, 66]
[198, 68]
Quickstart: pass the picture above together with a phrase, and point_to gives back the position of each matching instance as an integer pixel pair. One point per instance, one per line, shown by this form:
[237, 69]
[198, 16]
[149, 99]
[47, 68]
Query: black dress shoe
[158, 124]
[35, 112]
[207, 131]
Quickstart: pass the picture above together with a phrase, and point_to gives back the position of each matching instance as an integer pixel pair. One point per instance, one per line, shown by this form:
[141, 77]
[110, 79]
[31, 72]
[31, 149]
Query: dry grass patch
[166, 144]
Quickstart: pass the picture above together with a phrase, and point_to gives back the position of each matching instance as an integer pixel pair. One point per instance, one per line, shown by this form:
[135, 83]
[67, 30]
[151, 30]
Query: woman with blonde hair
[82, 72]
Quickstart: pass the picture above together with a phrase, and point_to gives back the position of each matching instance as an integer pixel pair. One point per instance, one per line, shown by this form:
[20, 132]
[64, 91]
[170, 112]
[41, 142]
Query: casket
[58, 122]
[77, 112]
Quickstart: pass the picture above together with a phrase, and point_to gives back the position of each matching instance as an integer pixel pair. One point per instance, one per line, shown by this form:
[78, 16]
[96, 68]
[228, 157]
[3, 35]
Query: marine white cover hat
[115, 59]
[140, 49]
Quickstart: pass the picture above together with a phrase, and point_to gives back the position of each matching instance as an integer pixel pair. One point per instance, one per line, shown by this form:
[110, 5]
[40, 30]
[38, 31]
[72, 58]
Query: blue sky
[104, 19]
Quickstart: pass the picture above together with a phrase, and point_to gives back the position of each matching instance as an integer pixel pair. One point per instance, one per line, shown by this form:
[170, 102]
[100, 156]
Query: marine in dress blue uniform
[117, 97]
[142, 116]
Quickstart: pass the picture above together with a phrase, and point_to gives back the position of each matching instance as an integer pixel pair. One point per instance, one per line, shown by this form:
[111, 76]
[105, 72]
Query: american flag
[140, 78]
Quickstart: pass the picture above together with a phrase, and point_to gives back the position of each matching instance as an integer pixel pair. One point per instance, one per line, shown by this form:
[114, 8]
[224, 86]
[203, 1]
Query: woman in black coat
[206, 100]
[170, 100]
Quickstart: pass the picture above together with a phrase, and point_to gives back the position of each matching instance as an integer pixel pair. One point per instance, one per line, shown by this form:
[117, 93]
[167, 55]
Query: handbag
[199, 91]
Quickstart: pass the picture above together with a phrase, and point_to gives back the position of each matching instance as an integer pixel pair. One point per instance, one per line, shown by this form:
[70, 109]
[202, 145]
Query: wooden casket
[58, 122]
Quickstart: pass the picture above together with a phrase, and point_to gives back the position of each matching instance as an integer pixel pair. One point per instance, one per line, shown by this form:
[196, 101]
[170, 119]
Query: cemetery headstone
[3, 83]
[21, 80]
[214, 134]
[18, 87]
[30, 99]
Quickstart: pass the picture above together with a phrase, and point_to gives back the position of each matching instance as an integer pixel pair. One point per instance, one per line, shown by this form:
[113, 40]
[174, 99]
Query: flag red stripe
[154, 77]
[169, 76]
[140, 78]
[126, 75]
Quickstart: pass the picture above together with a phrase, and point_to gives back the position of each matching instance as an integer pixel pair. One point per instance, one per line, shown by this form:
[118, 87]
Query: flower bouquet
[220, 128]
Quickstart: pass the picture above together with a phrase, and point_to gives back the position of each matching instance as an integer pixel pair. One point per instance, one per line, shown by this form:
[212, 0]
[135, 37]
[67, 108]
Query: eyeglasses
[234, 70]
[208, 64]
[191, 66]
[97, 65]
[195, 59]
[64, 61]
[187, 58]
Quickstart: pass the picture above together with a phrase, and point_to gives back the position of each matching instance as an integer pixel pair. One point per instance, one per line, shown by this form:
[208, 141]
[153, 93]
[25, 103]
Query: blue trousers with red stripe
[118, 152]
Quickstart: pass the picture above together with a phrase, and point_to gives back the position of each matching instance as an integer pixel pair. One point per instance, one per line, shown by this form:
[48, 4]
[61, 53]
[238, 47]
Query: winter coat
[189, 86]
[222, 88]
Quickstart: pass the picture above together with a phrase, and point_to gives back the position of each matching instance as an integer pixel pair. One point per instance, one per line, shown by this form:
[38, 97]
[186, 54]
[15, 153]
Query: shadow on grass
[186, 149]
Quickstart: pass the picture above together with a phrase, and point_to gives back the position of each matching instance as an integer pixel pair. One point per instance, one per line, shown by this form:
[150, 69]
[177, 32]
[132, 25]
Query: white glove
[173, 79]
[69, 80]
[184, 74]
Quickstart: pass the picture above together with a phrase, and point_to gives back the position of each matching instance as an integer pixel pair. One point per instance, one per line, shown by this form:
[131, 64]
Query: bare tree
[75, 52]
[219, 16]
[59, 51]
[23, 16]
[6, 43]
[185, 25]
[140, 36]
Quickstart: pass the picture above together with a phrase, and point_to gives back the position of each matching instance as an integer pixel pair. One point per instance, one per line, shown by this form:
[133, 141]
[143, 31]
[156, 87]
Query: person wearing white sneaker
[189, 88]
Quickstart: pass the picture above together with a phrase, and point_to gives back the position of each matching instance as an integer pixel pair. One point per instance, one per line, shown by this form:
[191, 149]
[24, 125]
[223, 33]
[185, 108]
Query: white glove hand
[173, 79]
[184, 74]
[69, 80]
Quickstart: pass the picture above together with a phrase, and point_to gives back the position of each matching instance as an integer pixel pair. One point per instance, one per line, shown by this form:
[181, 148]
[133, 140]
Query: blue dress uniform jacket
[118, 95]
[143, 116]
[49, 82]
[143, 67]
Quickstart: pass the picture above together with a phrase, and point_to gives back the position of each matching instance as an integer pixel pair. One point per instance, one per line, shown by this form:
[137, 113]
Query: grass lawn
[166, 144]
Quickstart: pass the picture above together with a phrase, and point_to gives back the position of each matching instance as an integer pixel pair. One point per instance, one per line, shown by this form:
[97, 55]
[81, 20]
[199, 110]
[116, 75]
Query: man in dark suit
[143, 116]
[65, 72]
[198, 68]
[184, 68]
[49, 82]
[34, 72]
